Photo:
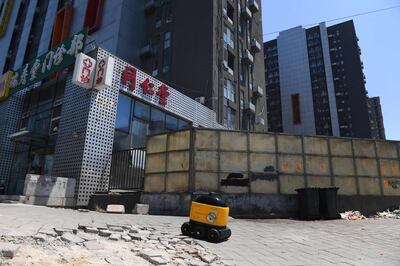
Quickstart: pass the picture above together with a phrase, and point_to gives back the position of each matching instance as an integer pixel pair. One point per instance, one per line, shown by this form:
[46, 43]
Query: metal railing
[127, 169]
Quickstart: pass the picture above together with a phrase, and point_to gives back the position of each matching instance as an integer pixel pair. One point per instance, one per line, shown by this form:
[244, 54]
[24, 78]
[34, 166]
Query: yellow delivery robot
[208, 219]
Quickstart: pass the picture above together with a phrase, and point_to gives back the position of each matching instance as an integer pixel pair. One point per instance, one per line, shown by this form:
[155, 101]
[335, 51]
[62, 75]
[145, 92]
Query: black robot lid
[211, 199]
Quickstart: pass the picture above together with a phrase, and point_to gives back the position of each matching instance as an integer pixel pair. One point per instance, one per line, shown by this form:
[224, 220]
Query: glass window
[229, 90]
[171, 123]
[123, 113]
[139, 133]
[167, 39]
[229, 117]
[157, 121]
[121, 140]
[229, 38]
[60, 89]
[57, 111]
[296, 109]
[183, 124]
[142, 111]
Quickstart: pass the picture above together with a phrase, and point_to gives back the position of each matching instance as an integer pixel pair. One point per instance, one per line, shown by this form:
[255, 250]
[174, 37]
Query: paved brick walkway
[254, 242]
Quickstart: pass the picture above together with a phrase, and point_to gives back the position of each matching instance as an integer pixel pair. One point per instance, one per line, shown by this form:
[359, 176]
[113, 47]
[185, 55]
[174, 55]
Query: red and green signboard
[49, 63]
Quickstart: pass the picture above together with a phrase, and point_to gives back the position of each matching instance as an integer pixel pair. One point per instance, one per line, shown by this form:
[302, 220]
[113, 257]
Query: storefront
[52, 127]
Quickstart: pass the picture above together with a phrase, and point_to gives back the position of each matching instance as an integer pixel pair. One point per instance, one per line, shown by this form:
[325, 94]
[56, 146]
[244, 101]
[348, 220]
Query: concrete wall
[243, 164]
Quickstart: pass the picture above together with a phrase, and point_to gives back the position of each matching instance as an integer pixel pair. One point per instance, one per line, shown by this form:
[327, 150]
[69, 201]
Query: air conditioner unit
[146, 51]
[247, 57]
[260, 121]
[246, 13]
[255, 46]
[250, 108]
[253, 5]
[201, 99]
[258, 91]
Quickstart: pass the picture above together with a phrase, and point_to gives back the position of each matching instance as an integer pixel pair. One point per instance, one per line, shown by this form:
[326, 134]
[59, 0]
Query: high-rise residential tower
[315, 83]
[376, 118]
[211, 50]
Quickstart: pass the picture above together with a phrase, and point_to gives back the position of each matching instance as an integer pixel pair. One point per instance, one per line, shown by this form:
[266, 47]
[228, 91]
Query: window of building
[158, 18]
[229, 118]
[168, 12]
[142, 110]
[231, 61]
[171, 123]
[229, 90]
[229, 38]
[229, 11]
[94, 14]
[123, 113]
[167, 39]
[131, 130]
[296, 111]
[157, 121]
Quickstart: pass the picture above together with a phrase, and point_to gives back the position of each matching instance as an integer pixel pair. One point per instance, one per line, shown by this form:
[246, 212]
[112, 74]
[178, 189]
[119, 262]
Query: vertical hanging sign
[104, 73]
[83, 75]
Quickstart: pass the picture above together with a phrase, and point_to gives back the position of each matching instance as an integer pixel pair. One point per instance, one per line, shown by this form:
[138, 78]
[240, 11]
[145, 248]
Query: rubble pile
[155, 245]
[352, 215]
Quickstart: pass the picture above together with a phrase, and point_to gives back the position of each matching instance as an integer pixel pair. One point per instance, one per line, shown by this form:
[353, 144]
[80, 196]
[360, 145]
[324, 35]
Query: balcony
[246, 13]
[260, 121]
[146, 51]
[150, 6]
[253, 5]
[250, 108]
[228, 69]
[247, 57]
[257, 91]
[255, 46]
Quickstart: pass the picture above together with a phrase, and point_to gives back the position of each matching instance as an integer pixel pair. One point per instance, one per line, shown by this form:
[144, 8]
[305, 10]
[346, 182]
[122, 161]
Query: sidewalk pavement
[253, 242]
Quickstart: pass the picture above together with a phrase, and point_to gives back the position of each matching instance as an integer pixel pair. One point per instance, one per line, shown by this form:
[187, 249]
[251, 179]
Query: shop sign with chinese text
[84, 71]
[49, 63]
[104, 73]
[131, 78]
[5, 81]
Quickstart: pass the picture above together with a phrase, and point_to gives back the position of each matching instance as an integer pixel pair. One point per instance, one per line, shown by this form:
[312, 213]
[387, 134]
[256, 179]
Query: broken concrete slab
[40, 237]
[91, 230]
[72, 238]
[208, 258]
[126, 238]
[115, 237]
[142, 209]
[93, 245]
[149, 253]
[8, 250]
[105, 233]
[61, 231]
[115, 208]
[115, 228]
[87, 237]
[137, 237]
[157, 260]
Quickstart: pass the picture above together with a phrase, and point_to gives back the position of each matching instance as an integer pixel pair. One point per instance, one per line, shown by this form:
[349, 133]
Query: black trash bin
[308, 203]
[328, 203]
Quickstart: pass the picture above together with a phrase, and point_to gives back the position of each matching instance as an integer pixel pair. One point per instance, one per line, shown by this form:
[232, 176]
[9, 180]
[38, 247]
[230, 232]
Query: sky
[379, 40]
